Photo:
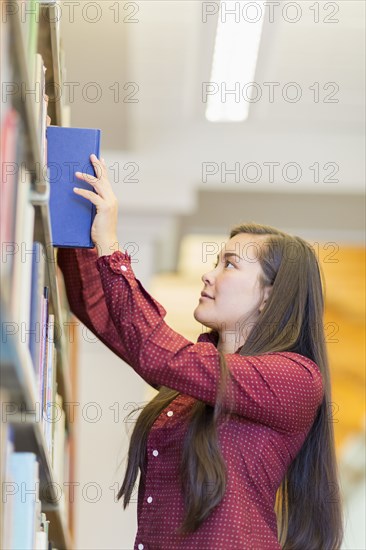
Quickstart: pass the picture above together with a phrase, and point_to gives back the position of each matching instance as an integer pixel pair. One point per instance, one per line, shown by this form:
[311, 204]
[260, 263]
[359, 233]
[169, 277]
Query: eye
[227, 263]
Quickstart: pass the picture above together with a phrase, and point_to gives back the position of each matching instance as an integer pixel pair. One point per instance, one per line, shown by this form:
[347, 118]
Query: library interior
[208, 114]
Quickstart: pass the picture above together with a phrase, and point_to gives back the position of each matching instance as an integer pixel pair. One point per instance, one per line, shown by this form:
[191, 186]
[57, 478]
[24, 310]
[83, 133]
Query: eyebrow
[228, 255]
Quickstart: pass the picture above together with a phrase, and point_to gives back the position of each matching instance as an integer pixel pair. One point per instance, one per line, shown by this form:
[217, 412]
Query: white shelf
[17, 371]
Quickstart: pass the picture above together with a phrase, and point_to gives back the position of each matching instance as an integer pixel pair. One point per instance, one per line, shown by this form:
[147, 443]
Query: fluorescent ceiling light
[238, 35]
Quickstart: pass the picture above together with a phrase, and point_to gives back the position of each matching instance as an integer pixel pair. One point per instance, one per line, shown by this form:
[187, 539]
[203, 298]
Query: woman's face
[233, 289]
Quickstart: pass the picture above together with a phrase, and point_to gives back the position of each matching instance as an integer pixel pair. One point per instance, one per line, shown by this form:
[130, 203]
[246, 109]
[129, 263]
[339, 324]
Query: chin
[197, 316]
[200, 318]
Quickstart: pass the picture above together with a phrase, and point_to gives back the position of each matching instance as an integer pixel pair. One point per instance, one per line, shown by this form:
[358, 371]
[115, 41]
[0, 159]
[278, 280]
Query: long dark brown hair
[308, 504]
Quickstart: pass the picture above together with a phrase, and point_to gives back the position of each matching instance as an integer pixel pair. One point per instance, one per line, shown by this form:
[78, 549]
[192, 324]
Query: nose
[207, 278]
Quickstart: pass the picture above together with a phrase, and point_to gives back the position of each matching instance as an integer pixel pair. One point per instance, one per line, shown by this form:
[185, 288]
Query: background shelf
[18, 379]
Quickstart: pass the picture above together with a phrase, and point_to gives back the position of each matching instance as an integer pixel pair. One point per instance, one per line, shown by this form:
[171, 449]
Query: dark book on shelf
[68, 151]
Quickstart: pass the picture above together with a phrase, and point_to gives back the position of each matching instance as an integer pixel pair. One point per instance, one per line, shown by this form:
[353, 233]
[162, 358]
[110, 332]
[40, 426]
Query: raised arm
[86, 298]
[282, 390]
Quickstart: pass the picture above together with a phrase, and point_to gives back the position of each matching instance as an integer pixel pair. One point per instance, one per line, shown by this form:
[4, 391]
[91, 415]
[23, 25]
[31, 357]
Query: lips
[205, 295]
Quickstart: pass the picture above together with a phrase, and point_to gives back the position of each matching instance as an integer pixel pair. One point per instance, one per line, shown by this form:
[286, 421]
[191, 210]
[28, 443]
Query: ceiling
[158, 124]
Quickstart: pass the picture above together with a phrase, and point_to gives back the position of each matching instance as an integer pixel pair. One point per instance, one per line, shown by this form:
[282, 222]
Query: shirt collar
[211, 337]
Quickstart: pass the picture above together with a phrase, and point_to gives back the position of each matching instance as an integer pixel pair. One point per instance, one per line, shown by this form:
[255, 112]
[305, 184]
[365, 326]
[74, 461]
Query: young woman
[236, 451]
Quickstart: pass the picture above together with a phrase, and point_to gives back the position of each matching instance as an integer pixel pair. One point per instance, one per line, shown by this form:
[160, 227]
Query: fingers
[96, 181]
[100, 182]
[100, 170]
[93, 197]
[87, 177]
[99, 166]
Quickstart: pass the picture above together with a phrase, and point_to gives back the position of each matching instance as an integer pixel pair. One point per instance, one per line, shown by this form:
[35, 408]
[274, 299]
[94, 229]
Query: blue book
[24, 471]
[68, 151]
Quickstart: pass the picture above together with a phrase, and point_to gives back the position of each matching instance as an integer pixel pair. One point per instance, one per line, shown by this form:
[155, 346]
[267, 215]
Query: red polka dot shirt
[274, 400]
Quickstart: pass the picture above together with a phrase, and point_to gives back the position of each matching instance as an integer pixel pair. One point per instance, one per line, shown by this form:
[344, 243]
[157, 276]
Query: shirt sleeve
[86, 298]
[280, 389]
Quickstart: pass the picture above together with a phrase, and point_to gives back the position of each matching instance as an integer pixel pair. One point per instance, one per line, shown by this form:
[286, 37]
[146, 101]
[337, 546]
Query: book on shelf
[22, 493]
[17, 212]
[43, 346]
[52, 413]
[61, 457]
[42, 350]
[33, 15]
[36, 308]
[72, 216]
[22, 266]
[47, 388]
[11, 196]
[41, 105]
[59, 440]
[41, 338]
[22, 497]
[49, 383]
[6, 448]
[23, 524]
[6, 70]
[29, 14]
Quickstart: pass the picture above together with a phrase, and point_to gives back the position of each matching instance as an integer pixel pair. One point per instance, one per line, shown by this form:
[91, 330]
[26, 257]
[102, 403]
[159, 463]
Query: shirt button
[140, 547]
[124, 268]
[170, 413]
[149, 499]
[155, 452]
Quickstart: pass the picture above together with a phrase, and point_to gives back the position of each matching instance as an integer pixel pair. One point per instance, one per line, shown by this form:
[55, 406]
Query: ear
[267, 292]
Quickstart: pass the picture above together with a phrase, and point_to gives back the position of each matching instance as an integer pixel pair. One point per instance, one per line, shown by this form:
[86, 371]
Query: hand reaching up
[104, 228]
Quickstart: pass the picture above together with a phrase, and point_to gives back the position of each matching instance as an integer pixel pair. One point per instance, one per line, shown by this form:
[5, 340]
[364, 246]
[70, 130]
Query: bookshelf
[32, 384]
